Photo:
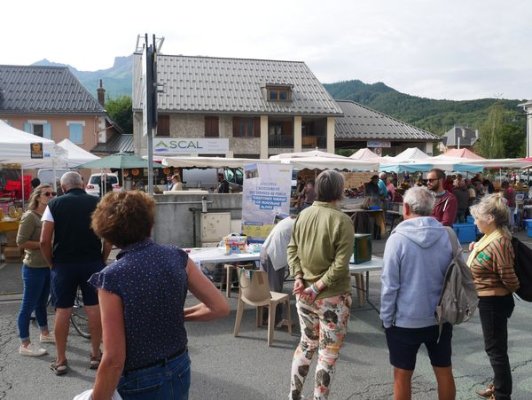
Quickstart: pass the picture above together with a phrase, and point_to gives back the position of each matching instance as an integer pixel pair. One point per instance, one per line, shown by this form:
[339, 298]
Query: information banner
[265, 194]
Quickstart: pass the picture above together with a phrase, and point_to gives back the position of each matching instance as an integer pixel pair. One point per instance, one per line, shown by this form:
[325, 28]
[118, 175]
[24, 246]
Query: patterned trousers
[323, 328]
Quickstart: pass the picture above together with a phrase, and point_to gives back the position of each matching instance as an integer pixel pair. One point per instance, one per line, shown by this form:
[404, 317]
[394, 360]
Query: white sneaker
[31, 350]
[47, 338]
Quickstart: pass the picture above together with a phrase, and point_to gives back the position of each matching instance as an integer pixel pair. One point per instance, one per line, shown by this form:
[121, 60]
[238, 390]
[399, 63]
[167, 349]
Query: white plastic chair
[255, 291]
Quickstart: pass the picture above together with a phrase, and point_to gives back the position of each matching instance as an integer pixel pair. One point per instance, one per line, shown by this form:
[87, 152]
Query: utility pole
[150, 99]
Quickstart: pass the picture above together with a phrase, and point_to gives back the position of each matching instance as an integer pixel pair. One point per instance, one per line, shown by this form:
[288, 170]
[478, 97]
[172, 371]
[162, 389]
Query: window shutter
[27, 127]
[76, 133]
[256, 127]
[47, 131]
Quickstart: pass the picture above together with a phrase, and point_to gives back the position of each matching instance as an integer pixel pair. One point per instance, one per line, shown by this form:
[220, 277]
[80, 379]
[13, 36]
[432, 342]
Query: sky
[440, 49]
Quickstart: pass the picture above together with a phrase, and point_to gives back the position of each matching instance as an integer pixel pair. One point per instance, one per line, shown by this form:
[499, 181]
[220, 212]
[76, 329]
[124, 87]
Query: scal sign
[190, 146]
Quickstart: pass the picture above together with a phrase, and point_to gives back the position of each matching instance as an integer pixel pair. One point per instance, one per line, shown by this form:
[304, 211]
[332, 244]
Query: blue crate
[466, 232]
[528, 226]
[470, 219]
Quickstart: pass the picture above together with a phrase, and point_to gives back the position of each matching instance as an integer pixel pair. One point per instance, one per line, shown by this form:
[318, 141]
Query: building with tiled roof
[362, 127]
[236, 107]
[458, 137]
[51, 102]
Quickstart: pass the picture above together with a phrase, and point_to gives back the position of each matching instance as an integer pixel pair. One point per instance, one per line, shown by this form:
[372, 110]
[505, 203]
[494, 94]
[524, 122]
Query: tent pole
[22, 186]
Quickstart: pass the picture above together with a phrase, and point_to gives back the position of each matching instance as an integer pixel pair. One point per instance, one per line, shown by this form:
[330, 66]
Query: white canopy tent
[16, 148]
[76, 155]
[410, 154]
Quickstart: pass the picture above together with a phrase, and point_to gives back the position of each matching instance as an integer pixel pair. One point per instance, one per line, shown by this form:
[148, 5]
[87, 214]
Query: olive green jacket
[321, 246]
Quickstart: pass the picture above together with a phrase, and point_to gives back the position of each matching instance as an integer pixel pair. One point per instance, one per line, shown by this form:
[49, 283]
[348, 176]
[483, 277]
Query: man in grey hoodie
[416, 258]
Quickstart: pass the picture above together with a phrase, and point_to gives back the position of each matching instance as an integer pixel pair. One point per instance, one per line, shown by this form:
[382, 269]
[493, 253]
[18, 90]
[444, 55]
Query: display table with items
[232, 252]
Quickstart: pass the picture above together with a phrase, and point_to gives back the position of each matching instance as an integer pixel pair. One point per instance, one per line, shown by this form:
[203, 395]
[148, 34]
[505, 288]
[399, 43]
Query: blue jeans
[36, 291]
[169, 380]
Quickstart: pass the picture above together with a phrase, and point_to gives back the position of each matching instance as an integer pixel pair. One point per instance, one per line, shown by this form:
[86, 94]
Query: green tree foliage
[120, 110]
[502, 134]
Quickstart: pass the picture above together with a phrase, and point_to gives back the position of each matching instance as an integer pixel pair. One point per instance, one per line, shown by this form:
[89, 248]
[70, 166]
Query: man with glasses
[76, 254]
[446, 205]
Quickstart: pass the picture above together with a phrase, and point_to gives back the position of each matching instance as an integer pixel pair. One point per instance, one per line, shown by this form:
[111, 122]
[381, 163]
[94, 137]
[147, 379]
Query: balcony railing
[281, 141]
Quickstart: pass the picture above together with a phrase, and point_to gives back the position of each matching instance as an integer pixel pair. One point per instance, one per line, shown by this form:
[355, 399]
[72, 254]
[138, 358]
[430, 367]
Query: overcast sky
[452, 49]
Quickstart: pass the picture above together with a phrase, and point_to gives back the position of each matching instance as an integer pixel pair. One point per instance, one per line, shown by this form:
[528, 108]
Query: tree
[120, 110]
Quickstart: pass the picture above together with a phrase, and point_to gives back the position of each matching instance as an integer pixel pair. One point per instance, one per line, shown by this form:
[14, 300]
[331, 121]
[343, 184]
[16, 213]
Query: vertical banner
[265, 194]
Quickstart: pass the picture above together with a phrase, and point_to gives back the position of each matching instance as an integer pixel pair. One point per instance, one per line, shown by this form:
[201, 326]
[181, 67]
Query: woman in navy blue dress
[142, 296]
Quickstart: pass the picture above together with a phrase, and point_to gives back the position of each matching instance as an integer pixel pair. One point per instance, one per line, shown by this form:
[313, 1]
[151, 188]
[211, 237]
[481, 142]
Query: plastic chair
[255, 291]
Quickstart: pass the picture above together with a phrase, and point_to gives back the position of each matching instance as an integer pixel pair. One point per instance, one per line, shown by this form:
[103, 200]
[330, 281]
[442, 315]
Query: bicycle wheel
[79, 318]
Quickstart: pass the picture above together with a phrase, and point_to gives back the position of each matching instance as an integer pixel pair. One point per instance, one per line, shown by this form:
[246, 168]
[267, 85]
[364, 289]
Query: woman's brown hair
[33, 202]
[124, 218]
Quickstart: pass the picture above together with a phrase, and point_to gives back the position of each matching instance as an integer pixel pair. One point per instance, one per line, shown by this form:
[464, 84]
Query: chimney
[101, 94]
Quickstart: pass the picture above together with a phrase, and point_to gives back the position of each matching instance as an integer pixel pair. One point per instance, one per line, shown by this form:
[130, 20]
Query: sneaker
[59, 369]
[488, 392]
[31, 350]
[47, 338]
[95, 362]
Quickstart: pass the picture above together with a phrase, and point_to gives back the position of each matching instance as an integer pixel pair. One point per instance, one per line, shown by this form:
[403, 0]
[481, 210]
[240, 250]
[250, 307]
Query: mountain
[436, 116]
[117, 80]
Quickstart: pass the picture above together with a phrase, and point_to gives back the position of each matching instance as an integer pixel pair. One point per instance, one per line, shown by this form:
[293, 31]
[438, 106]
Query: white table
[216, 255]
[375, 264]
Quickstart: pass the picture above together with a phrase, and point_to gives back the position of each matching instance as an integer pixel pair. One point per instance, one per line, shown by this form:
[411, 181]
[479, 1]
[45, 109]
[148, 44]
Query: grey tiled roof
[44, 90]
[362, 123]
[119, 143]
[233, 85]
[467, 136]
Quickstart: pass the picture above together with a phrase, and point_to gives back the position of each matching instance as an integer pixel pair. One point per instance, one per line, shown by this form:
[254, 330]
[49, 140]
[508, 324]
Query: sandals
[95, 361]
[59, 369]
[488, 392]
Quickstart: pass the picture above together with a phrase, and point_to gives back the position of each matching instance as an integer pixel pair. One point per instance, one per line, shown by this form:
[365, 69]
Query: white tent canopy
[209, 162]
[306, 154]
[15, 148]
[76, 155]
[364, 154]
[412, 153]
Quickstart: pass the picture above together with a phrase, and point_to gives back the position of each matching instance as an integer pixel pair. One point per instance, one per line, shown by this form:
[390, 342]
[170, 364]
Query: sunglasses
[432, 179]
[48, 194]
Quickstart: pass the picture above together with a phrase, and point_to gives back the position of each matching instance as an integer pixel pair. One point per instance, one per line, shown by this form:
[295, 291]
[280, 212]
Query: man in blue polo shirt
[74, 255]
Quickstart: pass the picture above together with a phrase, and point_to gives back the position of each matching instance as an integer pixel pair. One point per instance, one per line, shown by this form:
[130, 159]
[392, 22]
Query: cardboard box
[362, 248]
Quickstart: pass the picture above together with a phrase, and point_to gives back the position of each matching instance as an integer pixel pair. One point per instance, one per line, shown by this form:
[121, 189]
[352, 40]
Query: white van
[207, 178]
[47, 175]
[95, 188]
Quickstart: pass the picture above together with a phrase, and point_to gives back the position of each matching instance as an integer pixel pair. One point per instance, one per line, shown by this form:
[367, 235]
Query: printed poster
[265, 194]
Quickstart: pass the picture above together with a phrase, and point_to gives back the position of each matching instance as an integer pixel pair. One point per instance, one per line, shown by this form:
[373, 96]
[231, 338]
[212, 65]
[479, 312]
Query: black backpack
[523, 269]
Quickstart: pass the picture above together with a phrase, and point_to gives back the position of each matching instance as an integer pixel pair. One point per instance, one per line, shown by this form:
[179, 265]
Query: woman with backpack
[492, 265]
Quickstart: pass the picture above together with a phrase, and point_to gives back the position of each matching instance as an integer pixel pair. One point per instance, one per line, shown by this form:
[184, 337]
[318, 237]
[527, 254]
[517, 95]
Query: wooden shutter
[163, 125]
[212, 127]
[256, 127]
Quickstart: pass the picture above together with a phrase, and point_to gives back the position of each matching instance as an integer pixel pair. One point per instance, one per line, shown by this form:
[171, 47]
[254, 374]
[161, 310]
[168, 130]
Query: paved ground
[245, 368]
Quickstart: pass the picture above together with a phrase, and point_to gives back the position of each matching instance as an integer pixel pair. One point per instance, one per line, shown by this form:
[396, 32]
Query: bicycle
[78, 318]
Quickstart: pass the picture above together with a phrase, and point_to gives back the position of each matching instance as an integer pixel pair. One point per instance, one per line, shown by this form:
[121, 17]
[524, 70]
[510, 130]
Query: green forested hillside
[436, 116]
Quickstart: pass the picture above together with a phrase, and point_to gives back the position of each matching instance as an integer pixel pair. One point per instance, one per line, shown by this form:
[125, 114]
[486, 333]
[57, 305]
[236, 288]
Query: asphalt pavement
[243, 368]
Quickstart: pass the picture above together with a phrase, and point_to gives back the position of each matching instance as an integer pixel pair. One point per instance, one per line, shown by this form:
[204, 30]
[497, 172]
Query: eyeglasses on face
[432, 179]
[48, 194]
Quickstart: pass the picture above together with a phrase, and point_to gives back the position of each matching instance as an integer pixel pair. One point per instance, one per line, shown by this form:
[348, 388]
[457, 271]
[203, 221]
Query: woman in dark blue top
[142, 296]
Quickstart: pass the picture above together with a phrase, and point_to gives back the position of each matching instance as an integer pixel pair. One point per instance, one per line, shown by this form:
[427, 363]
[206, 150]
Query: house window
[38, 128]
[246, 127]
[75, 129]
[212, 127]
[163, 125]
[279, 93]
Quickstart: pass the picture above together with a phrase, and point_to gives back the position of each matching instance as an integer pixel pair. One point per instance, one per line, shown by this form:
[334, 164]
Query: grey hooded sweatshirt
[416, 258]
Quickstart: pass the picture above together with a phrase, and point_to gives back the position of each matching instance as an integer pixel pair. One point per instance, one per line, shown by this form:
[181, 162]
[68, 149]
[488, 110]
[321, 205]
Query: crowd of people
[67, 241]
